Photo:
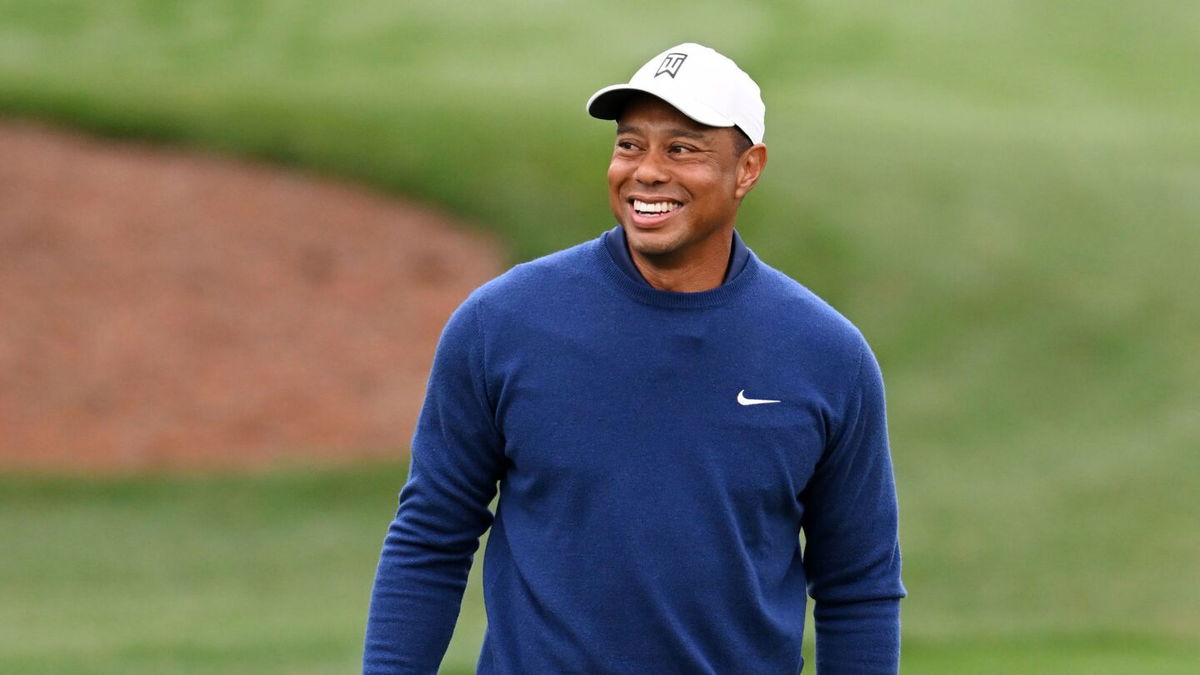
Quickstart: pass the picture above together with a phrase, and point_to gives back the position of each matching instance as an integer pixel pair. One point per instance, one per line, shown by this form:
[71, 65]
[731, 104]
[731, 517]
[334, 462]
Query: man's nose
[650, 170]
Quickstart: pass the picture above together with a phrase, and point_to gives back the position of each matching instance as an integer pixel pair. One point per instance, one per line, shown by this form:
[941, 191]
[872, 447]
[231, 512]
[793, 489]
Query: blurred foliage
[1004, 196]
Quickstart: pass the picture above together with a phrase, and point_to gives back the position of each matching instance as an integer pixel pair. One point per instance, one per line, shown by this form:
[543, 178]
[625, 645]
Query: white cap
[700, 82]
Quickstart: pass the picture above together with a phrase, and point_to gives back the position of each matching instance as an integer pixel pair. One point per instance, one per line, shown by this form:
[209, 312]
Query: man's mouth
[654, 208]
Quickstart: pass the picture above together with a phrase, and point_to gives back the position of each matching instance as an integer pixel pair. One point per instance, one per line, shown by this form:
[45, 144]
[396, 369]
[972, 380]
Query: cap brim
[608, 103]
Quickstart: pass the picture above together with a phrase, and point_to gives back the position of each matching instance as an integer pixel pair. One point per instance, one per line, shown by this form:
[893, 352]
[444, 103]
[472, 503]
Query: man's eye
[625, 145]
[679, 149]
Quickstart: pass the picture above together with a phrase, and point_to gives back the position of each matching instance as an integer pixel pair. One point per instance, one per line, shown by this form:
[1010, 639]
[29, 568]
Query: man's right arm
[852, 545]
[457, 457]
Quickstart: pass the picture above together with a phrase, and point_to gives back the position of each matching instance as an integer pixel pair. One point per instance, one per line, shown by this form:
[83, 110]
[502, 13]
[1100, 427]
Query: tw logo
[670, 64]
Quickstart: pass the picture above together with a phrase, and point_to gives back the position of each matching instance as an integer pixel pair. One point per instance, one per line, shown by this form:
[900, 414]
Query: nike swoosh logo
[752, 401]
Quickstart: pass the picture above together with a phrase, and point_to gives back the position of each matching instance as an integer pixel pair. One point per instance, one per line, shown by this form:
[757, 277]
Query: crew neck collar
[618, 266]
[618, 248]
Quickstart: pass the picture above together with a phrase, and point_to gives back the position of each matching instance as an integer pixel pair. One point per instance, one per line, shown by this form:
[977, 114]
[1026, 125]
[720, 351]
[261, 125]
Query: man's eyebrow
[678, 131]
[689, 133]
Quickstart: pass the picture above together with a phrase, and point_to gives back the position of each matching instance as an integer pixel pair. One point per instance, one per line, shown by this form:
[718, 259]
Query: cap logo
[670, 64]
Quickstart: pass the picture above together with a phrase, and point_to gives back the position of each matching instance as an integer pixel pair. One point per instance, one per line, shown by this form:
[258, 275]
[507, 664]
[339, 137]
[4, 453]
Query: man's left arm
[852, 549]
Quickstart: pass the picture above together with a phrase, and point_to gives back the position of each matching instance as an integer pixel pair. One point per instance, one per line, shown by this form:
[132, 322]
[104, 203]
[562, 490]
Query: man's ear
[750, 167]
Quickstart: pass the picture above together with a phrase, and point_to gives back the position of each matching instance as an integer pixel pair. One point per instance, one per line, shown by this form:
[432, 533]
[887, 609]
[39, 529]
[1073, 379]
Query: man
[663, 414]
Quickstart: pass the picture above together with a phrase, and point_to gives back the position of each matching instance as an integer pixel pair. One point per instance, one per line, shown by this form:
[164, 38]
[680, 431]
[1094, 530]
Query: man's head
[688, 149]
[703, 84]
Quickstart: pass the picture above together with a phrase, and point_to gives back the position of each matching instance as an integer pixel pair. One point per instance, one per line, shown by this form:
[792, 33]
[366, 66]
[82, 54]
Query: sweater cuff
[858, 638]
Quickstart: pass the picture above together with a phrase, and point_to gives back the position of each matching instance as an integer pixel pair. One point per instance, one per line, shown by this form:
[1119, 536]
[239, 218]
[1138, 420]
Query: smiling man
[663, 415]
[675, 186]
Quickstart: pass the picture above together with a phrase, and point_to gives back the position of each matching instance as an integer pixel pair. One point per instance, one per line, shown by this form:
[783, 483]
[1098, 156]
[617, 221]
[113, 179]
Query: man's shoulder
[791, 300]
[538, 279]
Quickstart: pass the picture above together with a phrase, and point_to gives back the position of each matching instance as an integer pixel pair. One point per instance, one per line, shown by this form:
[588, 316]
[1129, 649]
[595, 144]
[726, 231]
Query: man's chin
[650, 244]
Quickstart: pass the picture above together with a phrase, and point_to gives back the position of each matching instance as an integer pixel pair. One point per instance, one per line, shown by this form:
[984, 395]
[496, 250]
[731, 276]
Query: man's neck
[687, 271]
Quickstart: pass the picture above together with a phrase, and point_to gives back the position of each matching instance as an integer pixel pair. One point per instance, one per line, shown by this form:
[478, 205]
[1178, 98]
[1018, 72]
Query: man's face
[674, 183]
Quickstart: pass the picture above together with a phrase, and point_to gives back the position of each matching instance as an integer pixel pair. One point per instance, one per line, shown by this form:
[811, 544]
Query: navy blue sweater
[648, 519]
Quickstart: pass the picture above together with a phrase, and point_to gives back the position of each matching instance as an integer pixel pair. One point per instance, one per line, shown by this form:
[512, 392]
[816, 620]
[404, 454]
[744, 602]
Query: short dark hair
[741, 142]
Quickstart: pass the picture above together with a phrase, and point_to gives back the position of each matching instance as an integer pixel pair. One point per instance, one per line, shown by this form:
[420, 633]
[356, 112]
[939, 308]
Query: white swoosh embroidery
[752, 401]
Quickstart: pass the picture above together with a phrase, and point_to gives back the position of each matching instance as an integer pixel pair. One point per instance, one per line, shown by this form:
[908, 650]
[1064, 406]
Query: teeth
[657, 207]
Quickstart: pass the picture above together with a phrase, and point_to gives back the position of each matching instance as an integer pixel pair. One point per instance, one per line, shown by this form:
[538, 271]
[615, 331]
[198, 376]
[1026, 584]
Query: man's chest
[700, 406]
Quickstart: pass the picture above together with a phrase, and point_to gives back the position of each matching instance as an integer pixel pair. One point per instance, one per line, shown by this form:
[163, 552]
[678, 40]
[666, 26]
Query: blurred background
[1003, 196]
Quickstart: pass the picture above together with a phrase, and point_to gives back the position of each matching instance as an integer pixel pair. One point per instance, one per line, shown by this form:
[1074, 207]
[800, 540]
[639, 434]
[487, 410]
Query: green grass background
[1004, 196]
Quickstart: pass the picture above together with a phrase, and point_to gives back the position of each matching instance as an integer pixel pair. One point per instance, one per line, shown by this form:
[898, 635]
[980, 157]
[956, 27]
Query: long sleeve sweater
[657, 457]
